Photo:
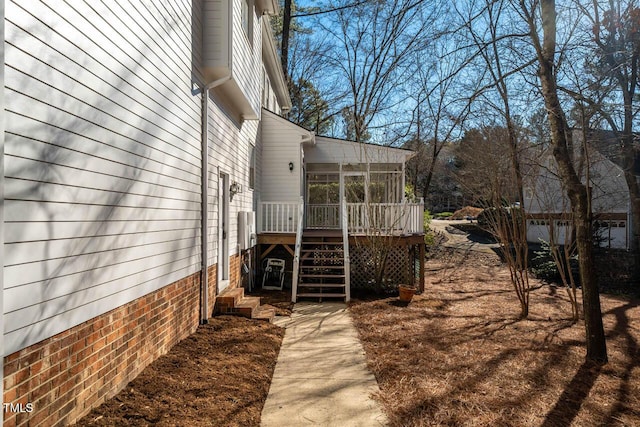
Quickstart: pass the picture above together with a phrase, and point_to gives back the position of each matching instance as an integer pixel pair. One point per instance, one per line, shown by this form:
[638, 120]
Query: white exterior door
[223, 232]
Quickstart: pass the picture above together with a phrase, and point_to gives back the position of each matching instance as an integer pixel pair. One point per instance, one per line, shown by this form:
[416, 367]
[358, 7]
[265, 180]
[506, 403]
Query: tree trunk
[284, 48]
[577, 192]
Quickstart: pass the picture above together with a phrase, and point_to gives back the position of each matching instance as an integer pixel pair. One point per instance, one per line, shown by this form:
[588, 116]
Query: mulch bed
[219, 376]
[458, 355]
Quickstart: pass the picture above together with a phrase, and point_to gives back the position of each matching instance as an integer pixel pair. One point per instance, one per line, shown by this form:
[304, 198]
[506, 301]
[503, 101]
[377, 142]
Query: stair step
[323, 276]
[323, 259]
[319, 295]
[316, 242]
[265, 313]
[229, 298]
[323, 250]
[321, 285]
[247, 306]
[323, 267]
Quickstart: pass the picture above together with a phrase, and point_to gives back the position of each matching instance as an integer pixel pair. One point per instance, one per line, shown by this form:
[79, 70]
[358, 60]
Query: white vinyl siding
[229, 51]
[281, 144]
[229, 153]
[247, 60]
[102, 159]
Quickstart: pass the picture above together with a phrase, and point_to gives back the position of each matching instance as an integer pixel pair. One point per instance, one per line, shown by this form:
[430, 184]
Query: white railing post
[421, 216]
[347, 262]
[296, 257]
[259, 213]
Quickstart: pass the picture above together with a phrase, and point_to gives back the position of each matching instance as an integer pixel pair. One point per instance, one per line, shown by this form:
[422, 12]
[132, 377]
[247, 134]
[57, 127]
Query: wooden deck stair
[322, 269]
[234, 302]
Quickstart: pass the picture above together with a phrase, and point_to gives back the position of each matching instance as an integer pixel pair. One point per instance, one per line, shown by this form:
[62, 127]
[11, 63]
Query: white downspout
[204, 276]
[2, 136]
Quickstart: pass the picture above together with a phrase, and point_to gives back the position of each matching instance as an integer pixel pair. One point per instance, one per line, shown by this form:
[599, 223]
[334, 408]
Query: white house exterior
[120, 118]
[548, 209]
[322, 195]
[140, 139]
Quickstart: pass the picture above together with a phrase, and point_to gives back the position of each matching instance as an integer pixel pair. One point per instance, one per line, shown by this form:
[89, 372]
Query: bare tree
[612, 28]
[540, 16]
[374, 44]
[495, 43]
[441, 108]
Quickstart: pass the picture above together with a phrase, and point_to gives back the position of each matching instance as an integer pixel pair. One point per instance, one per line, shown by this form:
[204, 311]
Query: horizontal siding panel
[22, 168]
[73, 111]
[84, 154]
[17, 253]
[104, 282]
[167, 36]
[17, 189]
[73, 311]
[46, 280]
[18, 211]
[72, 48]
[96, 35]
[77, 82]
[41, 231]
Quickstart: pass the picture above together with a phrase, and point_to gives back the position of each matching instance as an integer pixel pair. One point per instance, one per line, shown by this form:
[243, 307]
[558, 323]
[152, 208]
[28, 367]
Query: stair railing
[345, 240]
[296, 256]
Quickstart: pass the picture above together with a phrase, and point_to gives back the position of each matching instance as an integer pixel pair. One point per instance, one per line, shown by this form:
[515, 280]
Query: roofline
[372, 144]
[272, 64]
[407, 151]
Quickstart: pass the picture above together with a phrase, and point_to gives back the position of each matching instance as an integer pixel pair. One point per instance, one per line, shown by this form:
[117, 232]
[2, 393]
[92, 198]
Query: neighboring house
[104, 265]
[548, 209]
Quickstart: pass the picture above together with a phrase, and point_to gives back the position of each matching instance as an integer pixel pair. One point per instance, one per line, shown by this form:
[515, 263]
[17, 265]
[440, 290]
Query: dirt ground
[458, 355]
[219, 376]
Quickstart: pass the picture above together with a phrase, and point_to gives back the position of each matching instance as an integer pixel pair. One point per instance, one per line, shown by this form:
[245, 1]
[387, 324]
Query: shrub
[429, 237]
[544, 266]
[443, 215]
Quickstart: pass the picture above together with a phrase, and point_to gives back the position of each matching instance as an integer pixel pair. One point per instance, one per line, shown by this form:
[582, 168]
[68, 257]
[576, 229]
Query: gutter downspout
[204, 276]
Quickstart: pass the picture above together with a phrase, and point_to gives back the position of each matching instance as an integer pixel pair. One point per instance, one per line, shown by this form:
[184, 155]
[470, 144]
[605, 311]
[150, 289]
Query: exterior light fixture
[234, 189]
[290, 166]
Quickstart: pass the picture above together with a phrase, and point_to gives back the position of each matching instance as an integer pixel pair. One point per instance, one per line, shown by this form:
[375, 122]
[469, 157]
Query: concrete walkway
[321, 377]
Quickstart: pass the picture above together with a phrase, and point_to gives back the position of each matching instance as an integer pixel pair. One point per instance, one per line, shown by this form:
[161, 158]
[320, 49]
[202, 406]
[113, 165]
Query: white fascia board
[273, 66]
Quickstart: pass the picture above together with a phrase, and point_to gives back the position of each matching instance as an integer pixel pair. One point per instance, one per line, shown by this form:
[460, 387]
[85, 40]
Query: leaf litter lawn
[458, 355]
[218, 376]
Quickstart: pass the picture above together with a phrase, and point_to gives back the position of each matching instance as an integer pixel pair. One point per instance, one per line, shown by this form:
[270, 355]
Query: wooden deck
[282, 245]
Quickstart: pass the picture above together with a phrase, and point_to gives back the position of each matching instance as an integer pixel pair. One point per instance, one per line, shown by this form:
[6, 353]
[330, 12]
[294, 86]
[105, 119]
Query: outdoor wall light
[234, 189]
[290, 166]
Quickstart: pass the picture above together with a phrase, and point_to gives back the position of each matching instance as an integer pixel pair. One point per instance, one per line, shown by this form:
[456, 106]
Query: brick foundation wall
[234, 271]
[212, 273]
[65, 376]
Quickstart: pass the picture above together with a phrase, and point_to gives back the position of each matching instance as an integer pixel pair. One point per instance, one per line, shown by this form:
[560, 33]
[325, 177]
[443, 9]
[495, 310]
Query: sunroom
[322, 202]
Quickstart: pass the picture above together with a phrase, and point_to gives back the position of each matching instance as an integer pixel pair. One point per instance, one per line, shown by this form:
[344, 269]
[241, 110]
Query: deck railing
[296, 256]
[392, 218]
[323, 216]
[278, 217]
